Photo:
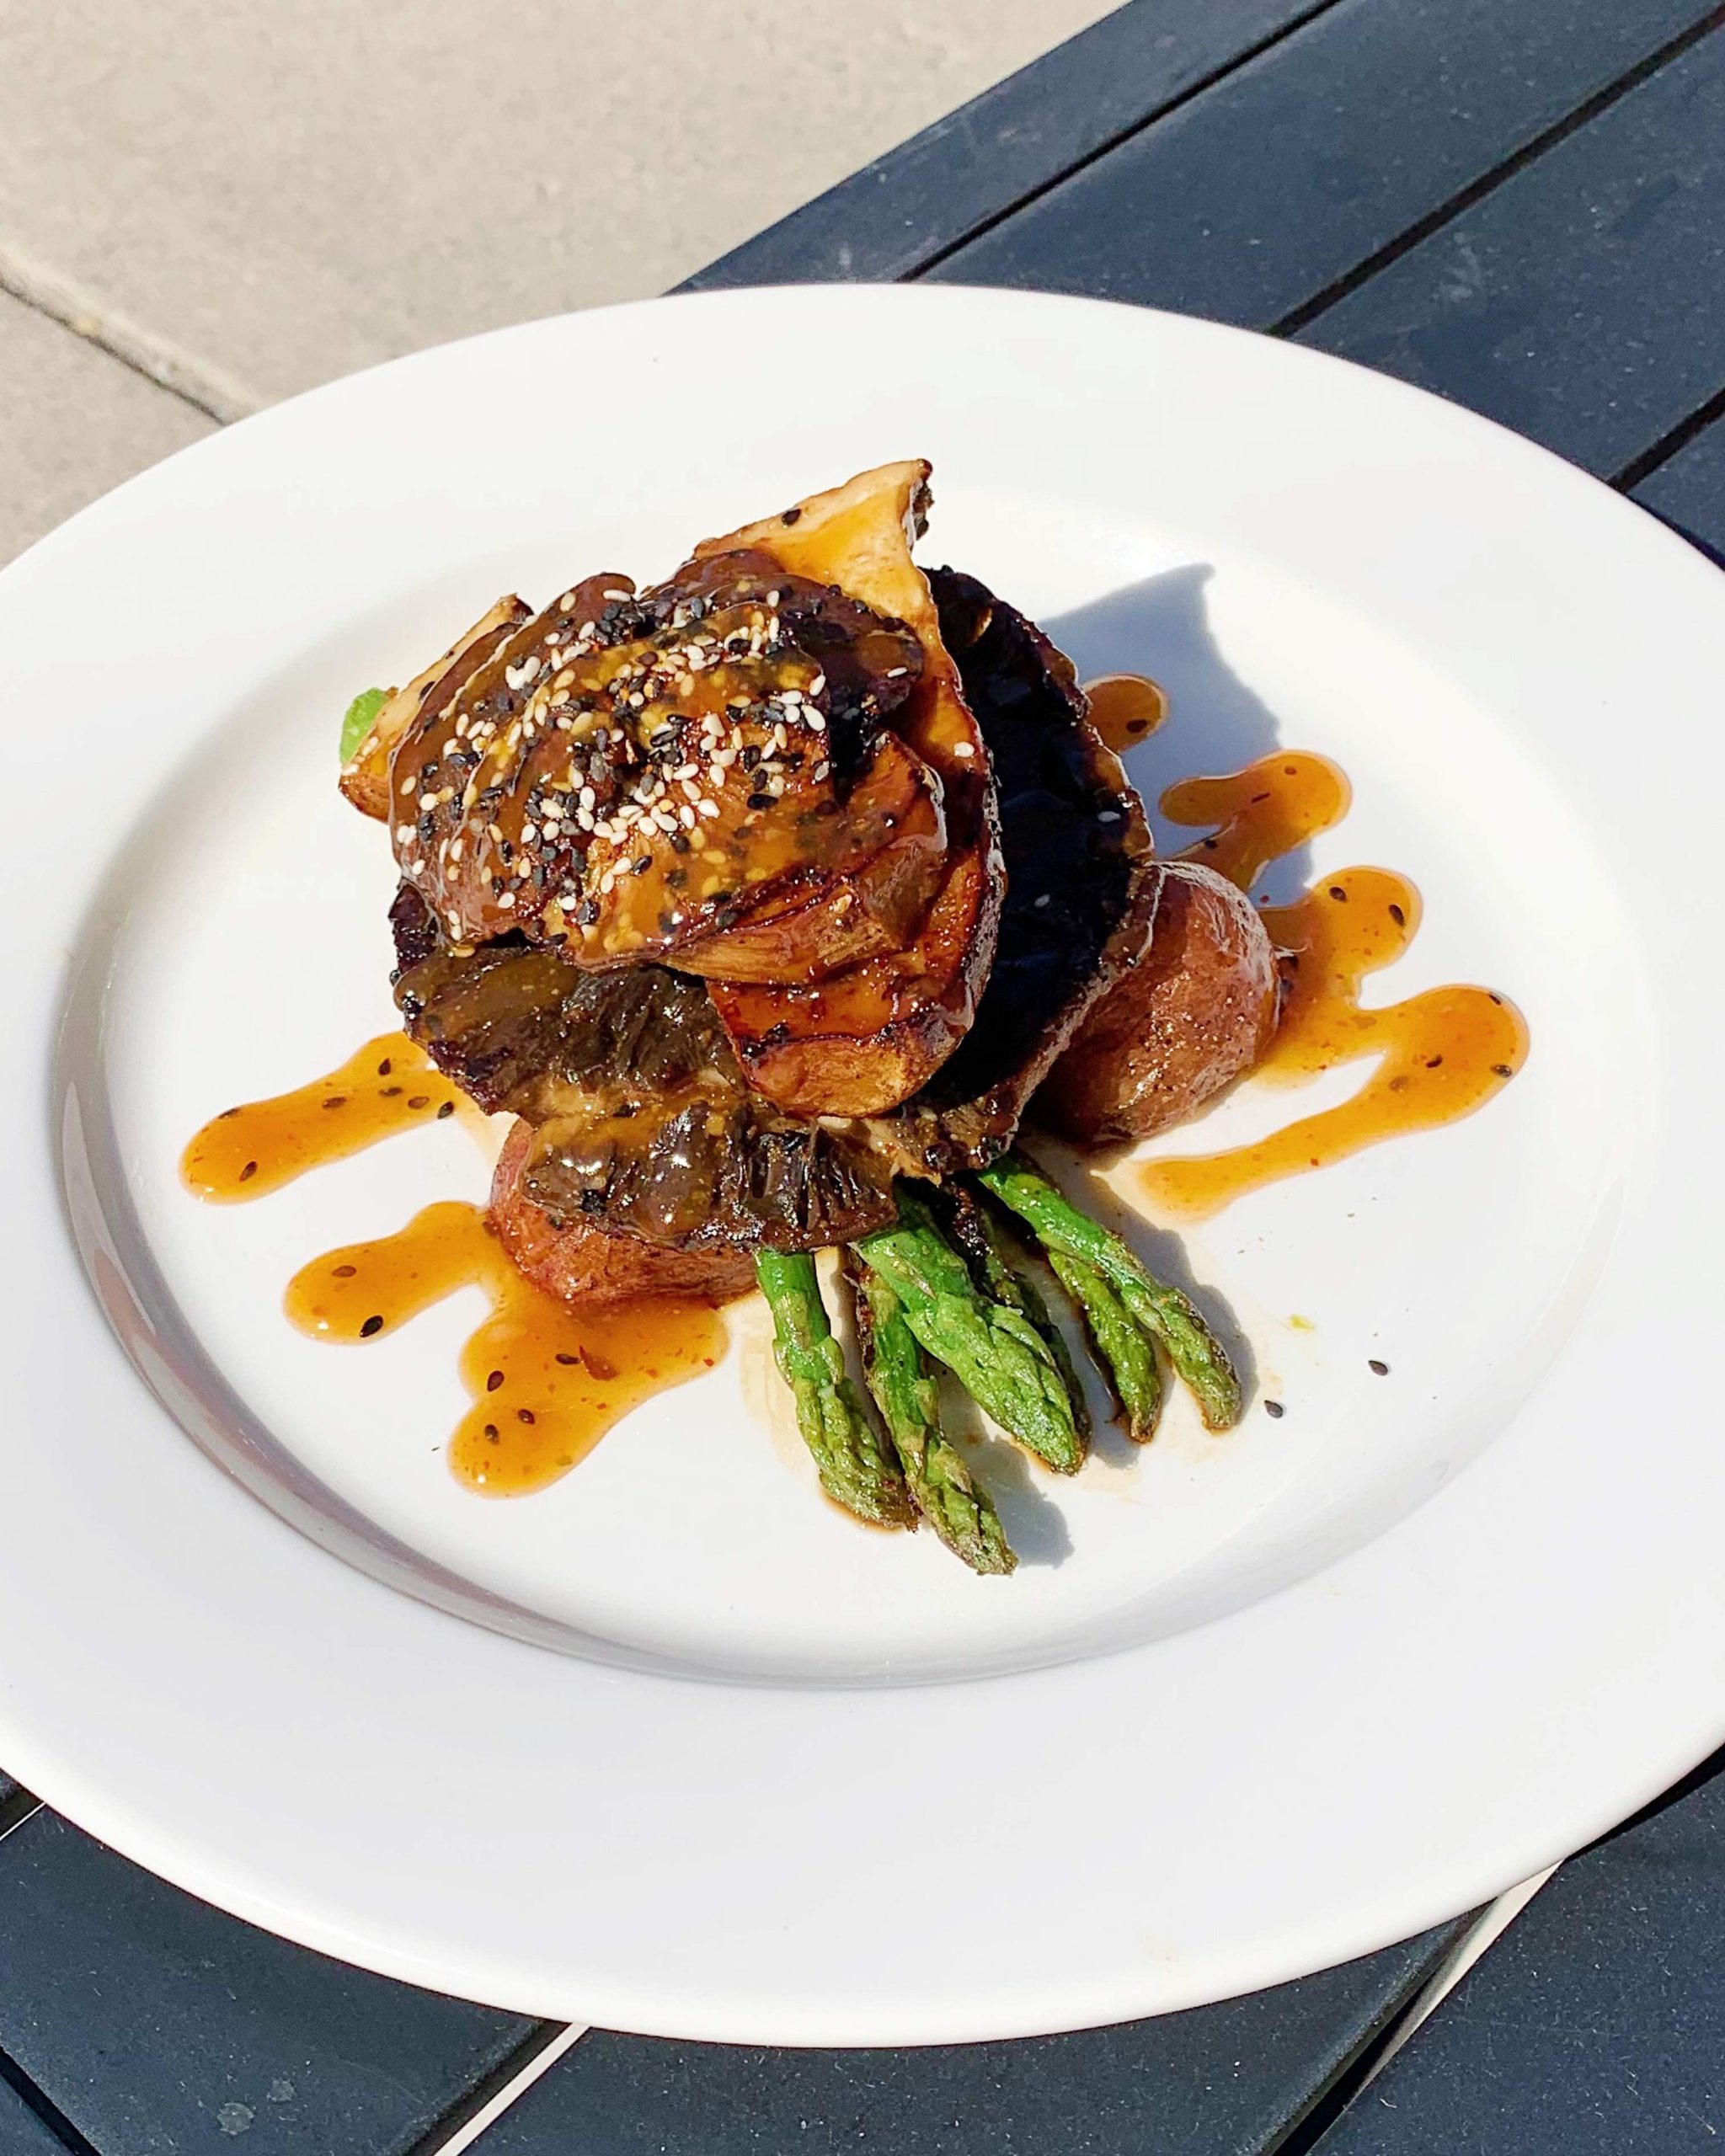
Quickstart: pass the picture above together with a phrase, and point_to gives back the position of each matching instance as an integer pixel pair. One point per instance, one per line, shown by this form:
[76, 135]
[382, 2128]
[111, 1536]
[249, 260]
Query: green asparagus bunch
[1162, 1312]
[908, 1396]
[950, 1286]
[978, 1231]
[994, 1350]
[857, 1469]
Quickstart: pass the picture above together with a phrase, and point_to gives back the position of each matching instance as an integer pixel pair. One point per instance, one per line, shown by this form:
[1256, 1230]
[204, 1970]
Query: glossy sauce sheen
[1443, 1054]
[245, 1152]
[1125, 708]
[548, 1380]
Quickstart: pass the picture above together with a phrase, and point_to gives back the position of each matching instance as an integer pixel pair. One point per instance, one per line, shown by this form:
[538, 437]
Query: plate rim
[246, 1890]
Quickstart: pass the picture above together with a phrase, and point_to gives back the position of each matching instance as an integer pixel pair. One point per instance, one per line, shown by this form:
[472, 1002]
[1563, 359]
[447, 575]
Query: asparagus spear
[1125, 1349]
[1198, 1357]
[976, 1229]
[904, 1386]
[995, 1352]
[857, 1469]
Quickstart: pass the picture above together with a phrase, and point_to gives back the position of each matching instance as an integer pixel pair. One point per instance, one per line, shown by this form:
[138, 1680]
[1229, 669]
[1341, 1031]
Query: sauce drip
[548, 1380]
[1125, 708]
[1270, 808]
[1443, 1053]
[390, 1084]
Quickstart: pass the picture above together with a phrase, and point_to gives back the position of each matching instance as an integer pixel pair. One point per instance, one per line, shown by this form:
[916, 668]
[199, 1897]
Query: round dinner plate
[672, 1746]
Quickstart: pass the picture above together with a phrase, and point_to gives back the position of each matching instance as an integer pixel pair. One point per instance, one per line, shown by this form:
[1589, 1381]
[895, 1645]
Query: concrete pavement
[241, 199]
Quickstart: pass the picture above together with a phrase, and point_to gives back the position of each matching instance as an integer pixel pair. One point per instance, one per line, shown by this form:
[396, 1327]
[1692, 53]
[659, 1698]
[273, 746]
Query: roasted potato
[1196, 1012]
[584, 1263]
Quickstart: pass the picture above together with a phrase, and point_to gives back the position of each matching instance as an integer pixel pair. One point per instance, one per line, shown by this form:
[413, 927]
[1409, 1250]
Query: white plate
[673, 1747]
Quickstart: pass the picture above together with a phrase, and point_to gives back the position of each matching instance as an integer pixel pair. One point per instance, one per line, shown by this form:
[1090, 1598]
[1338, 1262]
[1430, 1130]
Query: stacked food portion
[765, 899]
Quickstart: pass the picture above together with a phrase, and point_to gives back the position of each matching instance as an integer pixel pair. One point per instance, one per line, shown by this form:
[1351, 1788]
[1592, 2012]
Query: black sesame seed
[569, 1361]
[336, 1101]
[790, 516]
[1337, 892]
[1502, 1070]
[761, 800]
[343, 1272]
[1274, 1407]
[384, 1068]
[641, 864]
[491, 1434]
[1398, 916]
[371, 1324]
[679, 842]
[493, 1382]
[447, 1108]
[525, 1414]
[420, 1101]
[249, 1171]
[1377, 1368]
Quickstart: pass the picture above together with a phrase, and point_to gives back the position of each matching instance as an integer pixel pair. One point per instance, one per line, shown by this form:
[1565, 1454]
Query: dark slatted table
[1517, 204]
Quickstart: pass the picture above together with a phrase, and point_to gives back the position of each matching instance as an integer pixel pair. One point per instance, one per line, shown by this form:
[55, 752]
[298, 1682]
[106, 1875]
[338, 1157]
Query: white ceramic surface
[664, 1746]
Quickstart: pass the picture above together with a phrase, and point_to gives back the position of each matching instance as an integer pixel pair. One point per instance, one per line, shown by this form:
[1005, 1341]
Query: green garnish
[357, 724]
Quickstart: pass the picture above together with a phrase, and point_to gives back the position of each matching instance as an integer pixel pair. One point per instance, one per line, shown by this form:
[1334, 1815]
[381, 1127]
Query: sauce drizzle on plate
[388, 1085]
[1443, 1053]
[1125, 708]
[548, 1380]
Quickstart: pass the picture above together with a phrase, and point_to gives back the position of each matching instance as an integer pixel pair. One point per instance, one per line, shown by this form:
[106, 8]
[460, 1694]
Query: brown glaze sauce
[1125, 708]
[247, 1151]
[1443, 1053]
[547, 1380]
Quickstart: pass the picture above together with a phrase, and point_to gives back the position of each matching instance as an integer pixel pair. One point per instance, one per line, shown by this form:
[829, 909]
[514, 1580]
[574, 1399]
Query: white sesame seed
[1041, 901]
[707, 807]
[407, 783]
[519, 676]
[817, 684]
[893, 673]
[530, 835]
[506, 901]
[964, 749]
[817, 722]
[686, 816]
[563, 606]
[1108, 816]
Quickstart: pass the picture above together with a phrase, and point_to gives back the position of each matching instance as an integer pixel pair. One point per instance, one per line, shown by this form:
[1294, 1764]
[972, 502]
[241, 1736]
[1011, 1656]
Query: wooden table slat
[899, 213]
[1220, 2081]
[1689, 491]
[1260, 194]
[1595, 2027]
[1583, 302]
[157, 2025]
[22, 2134]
